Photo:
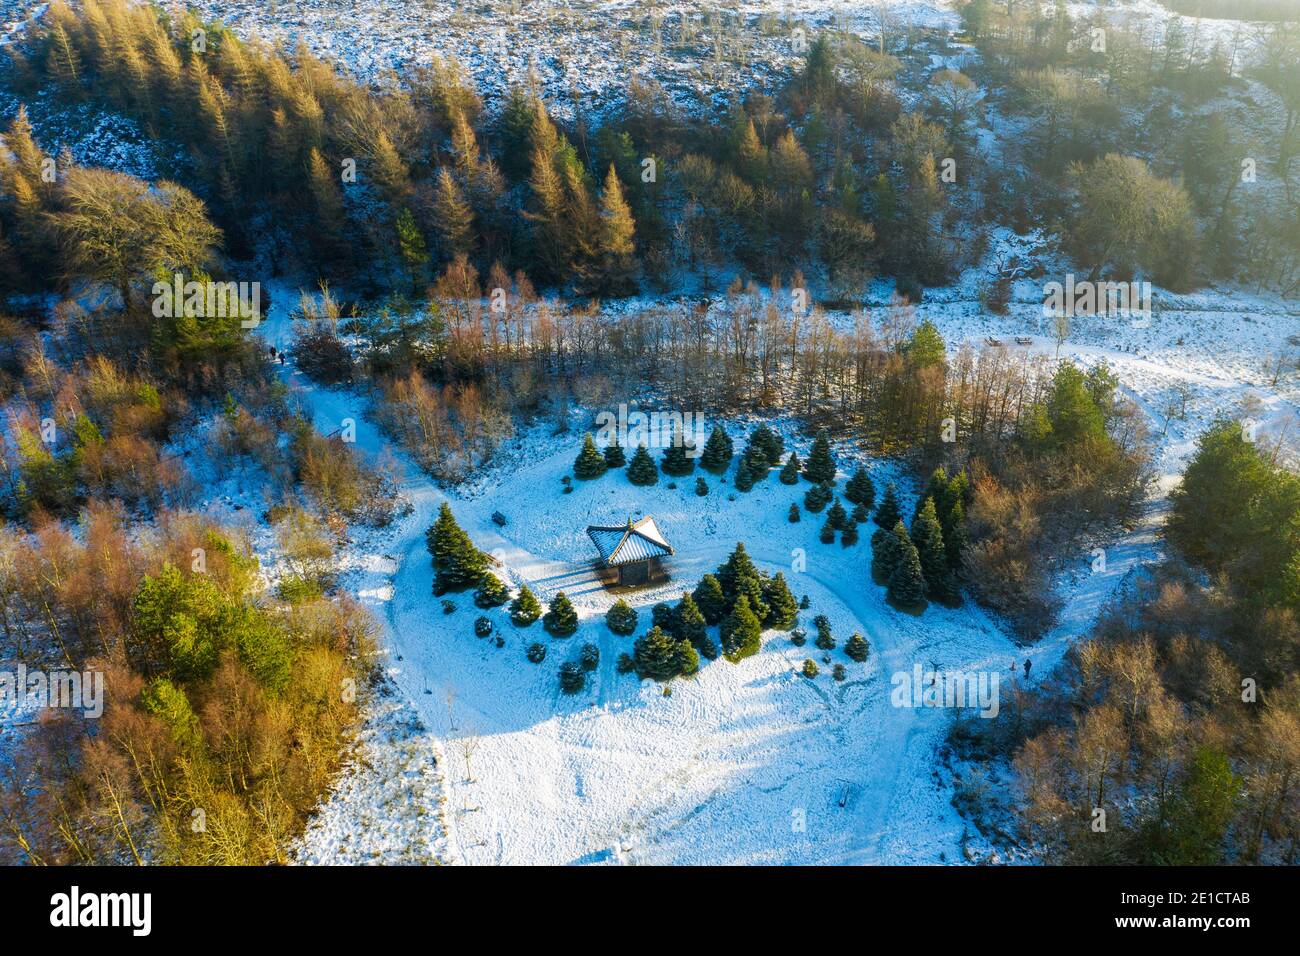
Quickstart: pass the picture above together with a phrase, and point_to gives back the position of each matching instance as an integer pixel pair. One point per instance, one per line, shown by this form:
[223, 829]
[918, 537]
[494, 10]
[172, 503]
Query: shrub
[561, 620]
[572, 677]
[589, 657]
[809, 669]
[590, 463]
[536, 653]
[491, 592]
[625, 664]
[839, 673]
[525, 608]
[621, 618]
[448, 606]
[798, 637]
[794, 513]
[701, 486]
[482, 627]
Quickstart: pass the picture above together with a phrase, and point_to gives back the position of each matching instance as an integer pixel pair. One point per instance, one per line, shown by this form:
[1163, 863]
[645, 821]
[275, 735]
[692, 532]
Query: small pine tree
[676, 462]
[937, 489]
[614, 457]
[457, 564]
[536, 653]
[794, 513]
[827, 533]
[589, 657]
[839, 673]
[850, 536]
[482, 627]
[790, 471]
[906, 587]
[525, 608]
[809, 669]
[825, 639]
[572, 677]
[664, 617]
[820, 466]
[837, 517]
[857, 648]
[742, 632]
[710, 599]
[590, 463]
[744, 477]
[860, 490]
[655, 656]
[928, 538]
[621, 618]
[816, 498]
[717, 451]
[491, 592]
[859, 514]
[885, 555]
[954, 535]
[782, 609]
[701, 486]
[687, 658]
[691, 625]
[625, 664]
[560, 620]
[641, 470]
[888, 515]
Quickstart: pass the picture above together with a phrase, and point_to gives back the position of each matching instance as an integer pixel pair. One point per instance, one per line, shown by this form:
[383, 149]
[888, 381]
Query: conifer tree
[816, 498]
[454, 217]
[457, 564]
[794, 513]
[741, 632]
[617, 251]
[937, 489]
[859, 514]
[820, 466]
[850, 536]
[621, 618]
[782, 608]
[411, 247]
[754, 457]
[906, 587]
[701, 486]
[717, 451]
[954, 534]
[885, 555]
[888, 515]
[690, 620]
[656, 656]
[827, 533]
[790, 471]
[676, 462]
[837, 517]
[710, 599]
[491, 592]
[590, 463]
[736, 570]
[614, 456]
[560, 620]
[572, 677]
[687, 658]
[860, 490]
[928, 538]
[642, 469]
[525, 608]
[857, 648]
[744, 477]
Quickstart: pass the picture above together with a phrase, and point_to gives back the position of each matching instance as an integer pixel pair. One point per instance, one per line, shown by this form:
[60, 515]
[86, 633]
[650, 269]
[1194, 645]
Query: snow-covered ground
[748, 763]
